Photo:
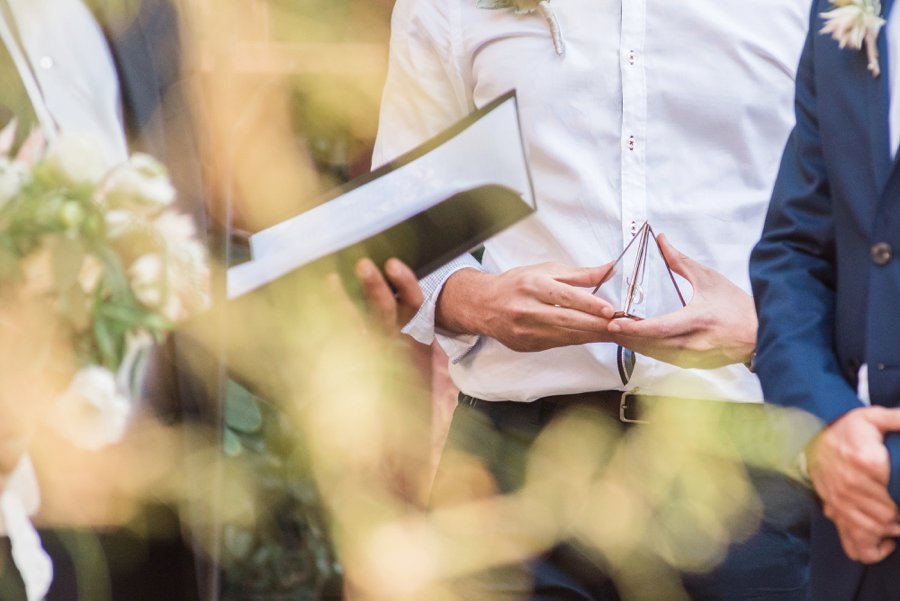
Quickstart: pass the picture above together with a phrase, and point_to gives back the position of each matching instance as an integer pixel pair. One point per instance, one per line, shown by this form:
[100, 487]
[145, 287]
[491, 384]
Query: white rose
[147, 274]
[175, 228]
[13, 176]
[118, 221]
[77, 159]
[92, 413]
[141, 184]
[187, 275]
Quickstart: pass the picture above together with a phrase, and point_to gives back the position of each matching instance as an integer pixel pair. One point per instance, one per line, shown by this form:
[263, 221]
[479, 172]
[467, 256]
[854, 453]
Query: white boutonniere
[527, 7]
[853, 23]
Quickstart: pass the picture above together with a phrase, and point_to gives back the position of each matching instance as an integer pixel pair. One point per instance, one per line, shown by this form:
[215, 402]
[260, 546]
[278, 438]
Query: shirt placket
[634, 119]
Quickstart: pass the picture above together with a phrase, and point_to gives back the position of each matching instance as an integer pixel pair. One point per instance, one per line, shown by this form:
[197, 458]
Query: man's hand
[529, 308]
[392, 312]
[850, 469]
[716, 328]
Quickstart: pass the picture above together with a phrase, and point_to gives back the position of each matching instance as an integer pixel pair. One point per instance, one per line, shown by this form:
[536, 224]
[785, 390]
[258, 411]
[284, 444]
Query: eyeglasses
[635, 291]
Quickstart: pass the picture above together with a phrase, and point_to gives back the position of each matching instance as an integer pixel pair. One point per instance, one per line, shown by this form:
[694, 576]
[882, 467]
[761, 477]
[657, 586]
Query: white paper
[489, 151]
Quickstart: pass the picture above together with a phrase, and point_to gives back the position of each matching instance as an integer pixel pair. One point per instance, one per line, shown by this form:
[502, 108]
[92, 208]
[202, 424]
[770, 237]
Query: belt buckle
[623, 408]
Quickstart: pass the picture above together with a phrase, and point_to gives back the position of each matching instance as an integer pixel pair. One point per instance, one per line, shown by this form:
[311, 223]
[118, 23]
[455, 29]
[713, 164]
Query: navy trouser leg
[771, 565]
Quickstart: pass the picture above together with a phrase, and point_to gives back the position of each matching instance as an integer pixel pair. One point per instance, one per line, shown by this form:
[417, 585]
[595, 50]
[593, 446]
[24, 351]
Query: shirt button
[631, 142]
[882, 253]
[881, 367]
[632, 57]
[46, 62]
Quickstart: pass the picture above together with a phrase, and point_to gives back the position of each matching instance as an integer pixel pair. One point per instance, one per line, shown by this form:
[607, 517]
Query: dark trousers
[112, 564]
[770, 565]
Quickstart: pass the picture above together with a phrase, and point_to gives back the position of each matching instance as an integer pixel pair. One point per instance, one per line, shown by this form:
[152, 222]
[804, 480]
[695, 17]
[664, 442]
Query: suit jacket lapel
[879, 109]
[132, 48]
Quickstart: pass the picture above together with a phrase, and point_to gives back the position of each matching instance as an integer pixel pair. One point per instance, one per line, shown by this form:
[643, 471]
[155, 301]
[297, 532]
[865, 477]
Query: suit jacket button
[882, 253]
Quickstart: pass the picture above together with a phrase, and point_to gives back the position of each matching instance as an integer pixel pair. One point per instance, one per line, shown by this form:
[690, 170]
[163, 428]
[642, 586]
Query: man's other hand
[390, 311]
[716, 328]
[531, 308]
[850, 469]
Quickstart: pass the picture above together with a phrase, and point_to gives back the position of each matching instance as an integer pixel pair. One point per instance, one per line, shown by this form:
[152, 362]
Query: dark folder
[433, 203]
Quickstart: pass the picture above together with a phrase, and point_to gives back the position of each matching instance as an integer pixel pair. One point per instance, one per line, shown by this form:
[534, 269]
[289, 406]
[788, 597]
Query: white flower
[92, 413]
[118, 221]
[147, 281]
[174, 280]
[141, 184]
[13, 176]
[76, 159]
[188, 268]
[854, 23]
[176, 228]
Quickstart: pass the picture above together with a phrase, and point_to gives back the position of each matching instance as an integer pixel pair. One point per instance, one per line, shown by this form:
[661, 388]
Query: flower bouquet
[100, 253]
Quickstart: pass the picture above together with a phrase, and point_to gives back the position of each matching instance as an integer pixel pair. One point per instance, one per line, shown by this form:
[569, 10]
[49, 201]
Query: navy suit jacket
[825, 275]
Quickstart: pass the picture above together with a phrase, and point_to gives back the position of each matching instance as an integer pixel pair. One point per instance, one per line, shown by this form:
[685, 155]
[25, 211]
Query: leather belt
[629, 407]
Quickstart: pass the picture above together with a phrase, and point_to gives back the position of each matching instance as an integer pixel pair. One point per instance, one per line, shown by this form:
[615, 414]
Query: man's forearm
[454, 310]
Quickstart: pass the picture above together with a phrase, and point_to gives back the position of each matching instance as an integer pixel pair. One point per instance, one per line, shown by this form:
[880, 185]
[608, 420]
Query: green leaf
[242, 412]
[231, 443]
[238, 542]
[122, 313]
[114, 273]
[106, 343]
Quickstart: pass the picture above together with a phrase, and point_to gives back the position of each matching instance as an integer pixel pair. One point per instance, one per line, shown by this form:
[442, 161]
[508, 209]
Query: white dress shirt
[66, 60]
[674, 113]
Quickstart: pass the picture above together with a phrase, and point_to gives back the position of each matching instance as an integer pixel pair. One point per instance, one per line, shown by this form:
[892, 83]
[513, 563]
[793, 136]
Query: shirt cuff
[422, 328]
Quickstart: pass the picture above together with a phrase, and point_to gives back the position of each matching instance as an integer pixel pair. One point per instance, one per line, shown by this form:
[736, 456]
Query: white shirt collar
[69, 61]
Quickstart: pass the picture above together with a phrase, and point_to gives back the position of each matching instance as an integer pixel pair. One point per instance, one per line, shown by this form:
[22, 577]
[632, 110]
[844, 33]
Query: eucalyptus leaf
[231, 443]
[495, 4]
[106, 343]
[242, 412]
[238, 541]
[114, 273]
[122, 313]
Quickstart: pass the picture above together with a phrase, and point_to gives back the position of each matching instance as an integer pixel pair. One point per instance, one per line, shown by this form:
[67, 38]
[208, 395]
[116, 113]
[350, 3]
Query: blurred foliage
[285, 553]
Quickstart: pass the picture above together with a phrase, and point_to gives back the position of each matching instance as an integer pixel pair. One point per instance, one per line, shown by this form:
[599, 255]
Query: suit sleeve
[792, 270]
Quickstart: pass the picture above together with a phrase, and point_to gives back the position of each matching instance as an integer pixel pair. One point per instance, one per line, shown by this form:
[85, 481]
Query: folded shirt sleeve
[422, 326]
